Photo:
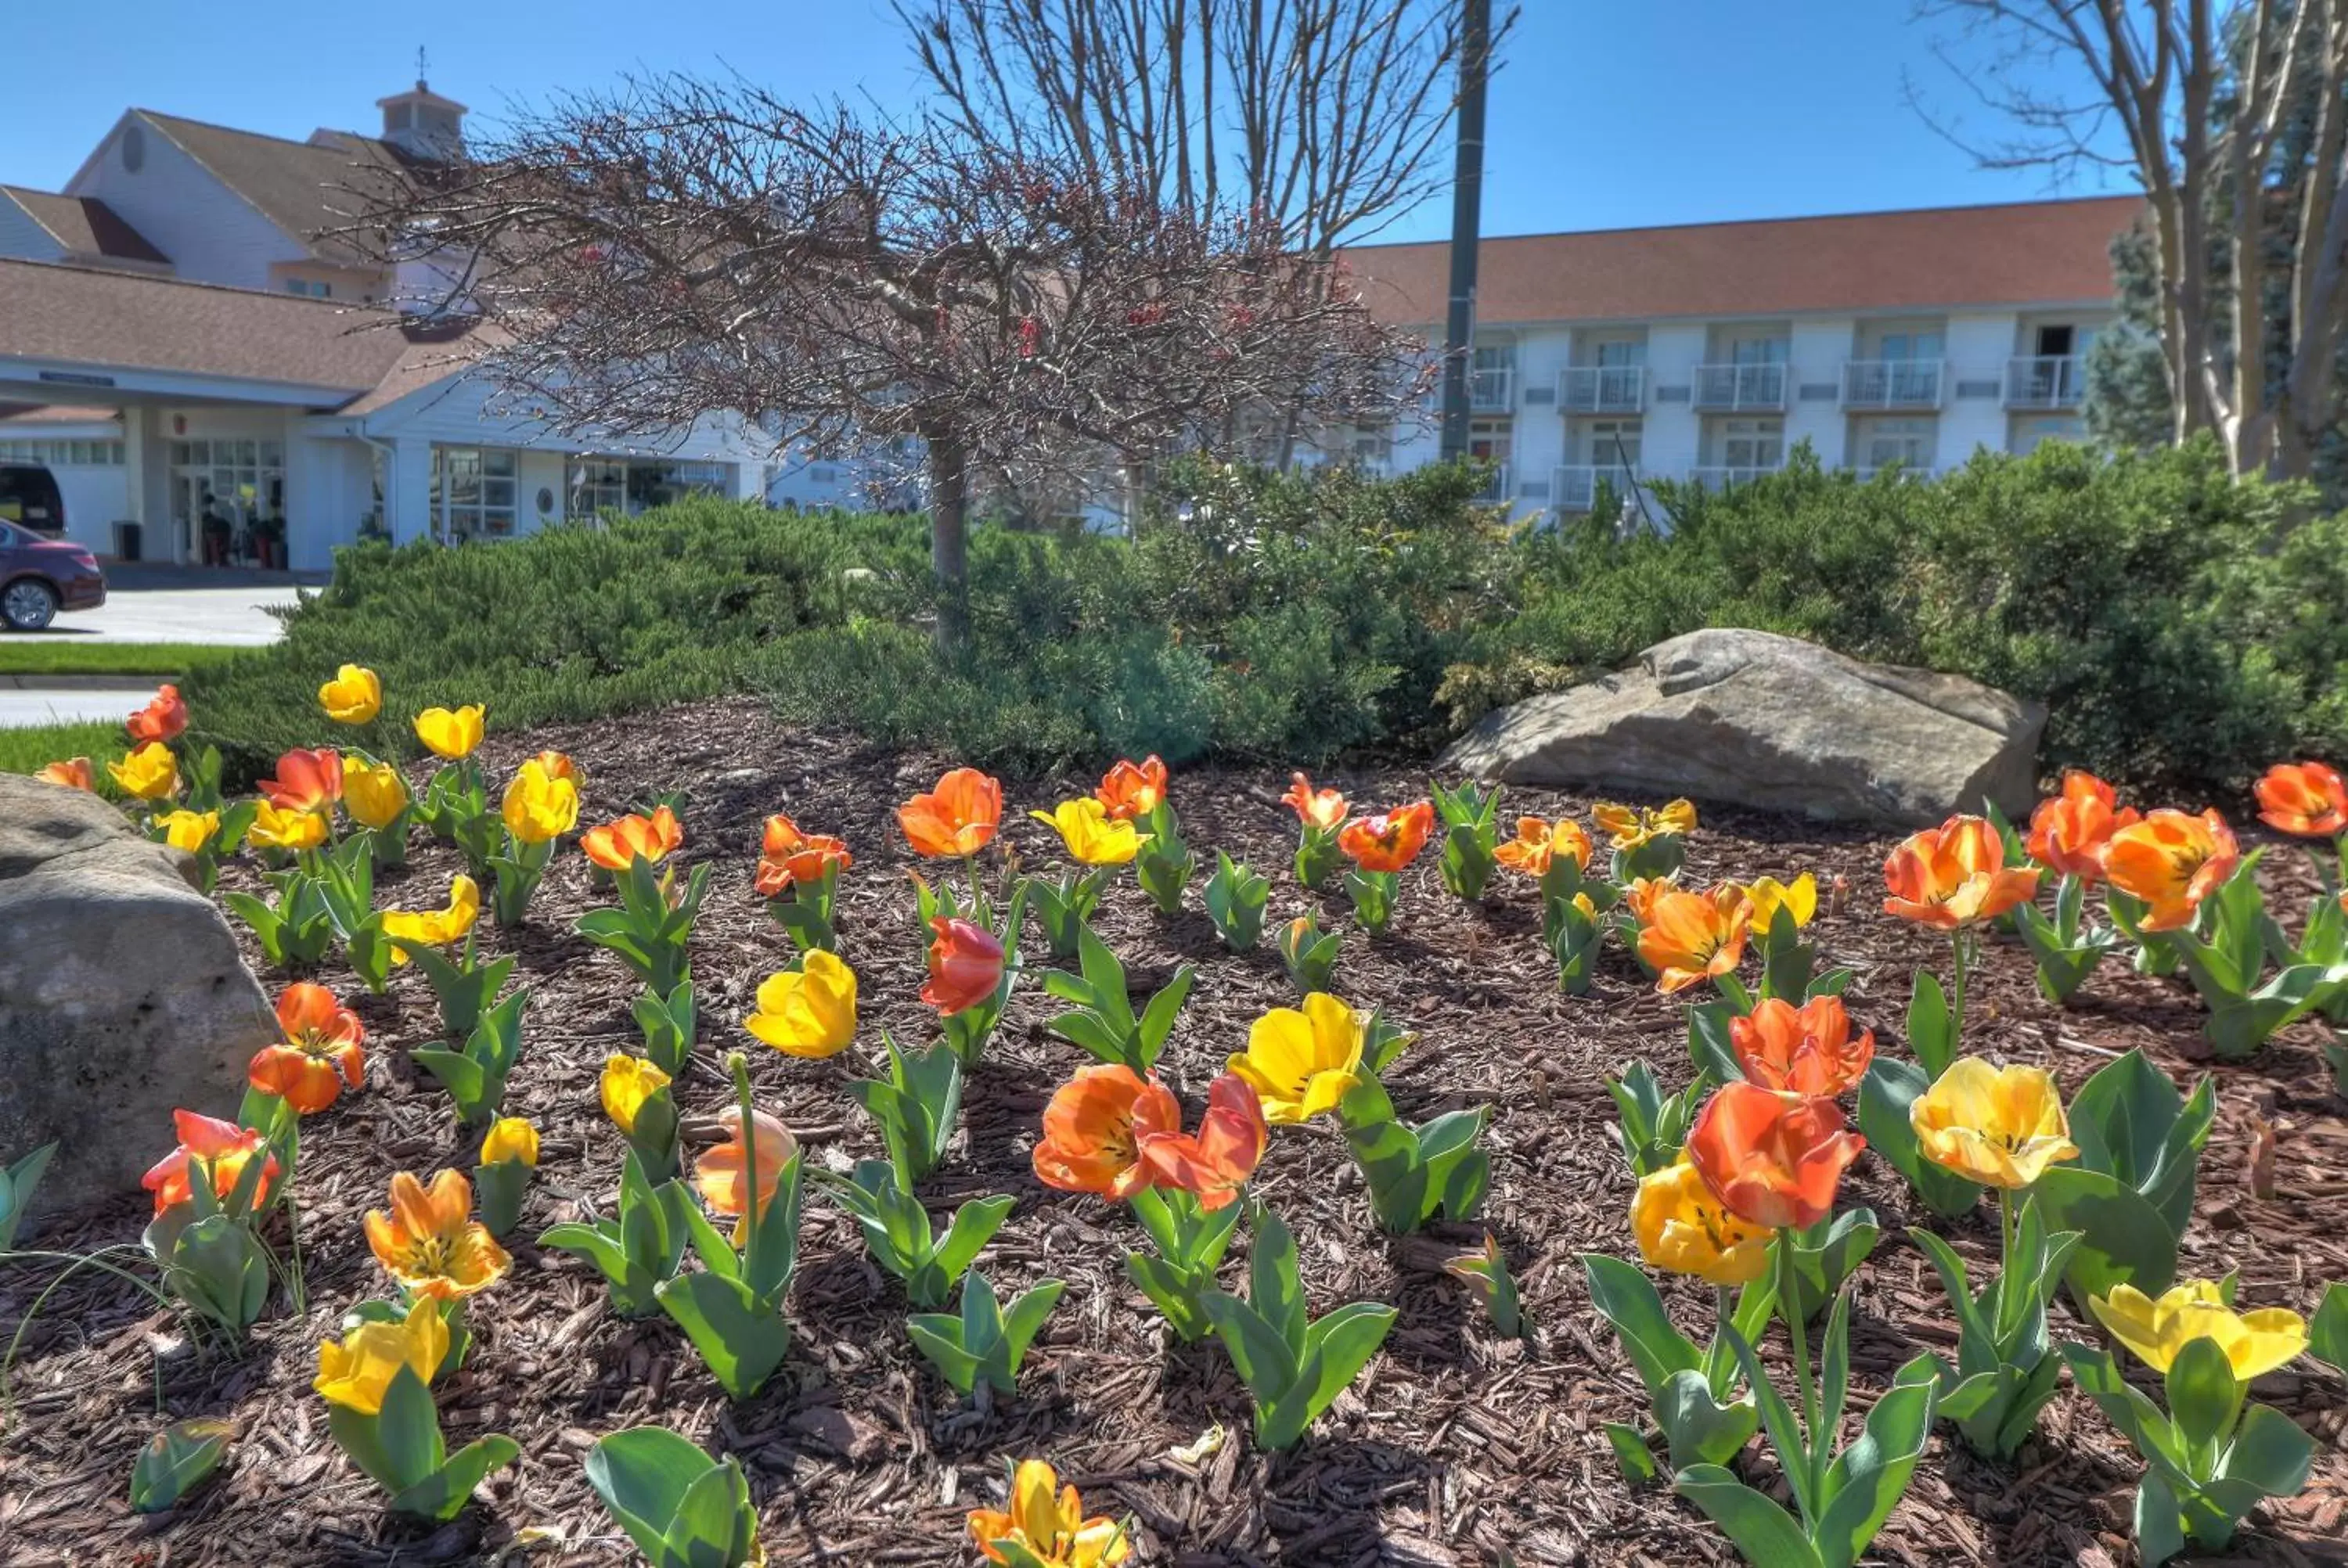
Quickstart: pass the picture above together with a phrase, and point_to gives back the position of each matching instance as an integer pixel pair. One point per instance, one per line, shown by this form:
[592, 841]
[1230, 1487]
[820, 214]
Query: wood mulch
[1455, 1447]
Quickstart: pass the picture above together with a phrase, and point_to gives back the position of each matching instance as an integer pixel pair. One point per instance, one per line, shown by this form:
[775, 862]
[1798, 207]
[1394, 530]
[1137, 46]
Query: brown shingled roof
[85, 225]
[303, 187]
[1933, 259]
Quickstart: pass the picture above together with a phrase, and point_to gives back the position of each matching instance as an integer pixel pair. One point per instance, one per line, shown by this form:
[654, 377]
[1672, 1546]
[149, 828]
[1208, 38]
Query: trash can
[127, 541]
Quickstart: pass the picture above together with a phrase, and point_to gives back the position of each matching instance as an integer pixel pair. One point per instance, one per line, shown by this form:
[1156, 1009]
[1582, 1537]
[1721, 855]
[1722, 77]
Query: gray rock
[1755, 718]
[122, 995]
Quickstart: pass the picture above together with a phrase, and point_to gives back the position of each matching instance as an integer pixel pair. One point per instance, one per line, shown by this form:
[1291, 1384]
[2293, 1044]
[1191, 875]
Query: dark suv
[28, 495]
[40, 576]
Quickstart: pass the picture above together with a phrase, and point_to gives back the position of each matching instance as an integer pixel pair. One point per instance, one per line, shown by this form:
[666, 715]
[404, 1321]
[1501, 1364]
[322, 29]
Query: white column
[409, 506]
[1817, 353]
[1671, 433]
[147, 483]
[1972, 411]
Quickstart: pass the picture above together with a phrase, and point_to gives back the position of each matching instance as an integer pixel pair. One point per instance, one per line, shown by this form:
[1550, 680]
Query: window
[1910, 345]
[309, 288]
[473, 492]
[64, 454]
[1618, 351]
[616, 484]
[1757, 351]
[1613, 443]
[1908, 442]
[1752, 443]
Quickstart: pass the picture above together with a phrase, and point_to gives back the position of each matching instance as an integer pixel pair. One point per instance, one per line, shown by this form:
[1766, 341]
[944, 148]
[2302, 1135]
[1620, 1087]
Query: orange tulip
[965, 965]
[787, 856]
[1324, 809]
[1954, 876]
[1640, 896]
[1214, 1164]
[1690, 937]
[1094, 1127]
[223, 1146]
[955, 820]
[321, 1051]
[2068, 831]
[163, 719]
[2171, 860]
[1127, 792]
[1801, 1051]
[1538, 843]
[618, 845]
[2309, 799]
[559, 765]
[430, 1243]
[306, 781]
[1773, 1160]
[74, 772]
[720, 1174]
[1390, 840]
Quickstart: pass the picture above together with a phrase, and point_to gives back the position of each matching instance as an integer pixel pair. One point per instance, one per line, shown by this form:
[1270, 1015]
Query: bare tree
[680, 248]
[2232, 117]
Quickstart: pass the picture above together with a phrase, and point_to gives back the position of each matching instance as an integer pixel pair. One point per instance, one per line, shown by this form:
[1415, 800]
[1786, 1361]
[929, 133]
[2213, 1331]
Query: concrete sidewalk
[23, 710]
[227, 616]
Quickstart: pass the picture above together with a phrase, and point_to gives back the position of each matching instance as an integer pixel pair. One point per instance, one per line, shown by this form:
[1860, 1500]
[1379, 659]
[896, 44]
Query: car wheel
[28, 604]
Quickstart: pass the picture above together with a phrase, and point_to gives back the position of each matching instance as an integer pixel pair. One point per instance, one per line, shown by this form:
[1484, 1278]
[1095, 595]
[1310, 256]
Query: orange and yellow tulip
[164, 718]
[306, 781]
[354, 696]
[721, 1174]
[965, 964]
[1539, 841]
[2156, 1328]
[955, 820]
[810, 1011]
[355, 1372]
[618, 844]
[73, 773]
[1801, 1051]
[1773, 1160]
[2068, 831]
[1389, 840]
[1302, 1062]
[1798, 898]
[1129, 790]
[1691, 937]
[540, 805]
[150, 771]
[1093, 834]
[1627, 827]
[322, 1050]
[1047, 1522]
[2171, 861]
[223, 1147]
[626, 1083]
[1954, 876]
[1212, 1164]
[788, 856]
[276, 827]
[374, 793]
[451, 734]
[2001, 1126]
[1094, 1125]
[2309, 799]
[406, 929]
[1324, 809]
[1680, 1225]
[1641, 895]
[430, 1243]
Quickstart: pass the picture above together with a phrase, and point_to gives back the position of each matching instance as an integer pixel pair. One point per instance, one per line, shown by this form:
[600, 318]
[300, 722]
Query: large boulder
[1755, 718]
[121, 994]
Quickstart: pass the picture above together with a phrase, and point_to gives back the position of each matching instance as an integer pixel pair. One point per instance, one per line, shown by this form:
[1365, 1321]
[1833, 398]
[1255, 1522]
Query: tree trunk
[949, 541]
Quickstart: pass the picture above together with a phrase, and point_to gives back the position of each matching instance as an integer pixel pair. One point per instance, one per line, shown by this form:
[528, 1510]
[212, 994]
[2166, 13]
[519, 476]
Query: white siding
[1816, 352]
[1979, 346]
[21, 237]
[211, 234]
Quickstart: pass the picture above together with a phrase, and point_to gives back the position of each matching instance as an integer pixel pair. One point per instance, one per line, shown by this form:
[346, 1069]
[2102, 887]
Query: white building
[191, 345]
[1708, 352]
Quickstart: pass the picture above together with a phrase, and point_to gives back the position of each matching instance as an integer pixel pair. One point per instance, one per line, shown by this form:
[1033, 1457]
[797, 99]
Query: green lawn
[83, 656]
[26, 750]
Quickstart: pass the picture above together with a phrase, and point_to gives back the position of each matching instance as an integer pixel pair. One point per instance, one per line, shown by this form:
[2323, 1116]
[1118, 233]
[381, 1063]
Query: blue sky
[1607, 114]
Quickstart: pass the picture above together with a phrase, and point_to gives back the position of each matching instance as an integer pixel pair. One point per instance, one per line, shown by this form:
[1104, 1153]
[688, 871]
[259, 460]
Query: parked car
[28, 495]
[40, 576]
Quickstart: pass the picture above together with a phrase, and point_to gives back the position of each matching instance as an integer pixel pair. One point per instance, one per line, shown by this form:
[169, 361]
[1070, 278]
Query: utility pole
[1466, 219]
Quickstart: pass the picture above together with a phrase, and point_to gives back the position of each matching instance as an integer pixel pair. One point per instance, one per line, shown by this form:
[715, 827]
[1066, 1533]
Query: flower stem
[1958, 941]
[749, 1165]
[1789, 1306]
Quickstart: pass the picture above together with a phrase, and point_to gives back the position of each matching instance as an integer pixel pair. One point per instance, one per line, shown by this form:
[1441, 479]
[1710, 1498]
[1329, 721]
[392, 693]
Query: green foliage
[1487, 1274]
[1190, 1243]
[1104, 1022]
[475, 1077]
[668, 1024]
[1415, 1174]
[1236, 897]
[682, 1509]
[2006, 1366]
[1295, 1366]
[1891, 1087]
[1470, 832]
[638, 1247]
[647, 932]
[1310, 955]
[176, 1461]
[2225, 966]
[987, 1340]
[18, 1181]
[401, 1449]
[1655, 1125]
[915, 1106]
[896, 1230]
[1694, 1393]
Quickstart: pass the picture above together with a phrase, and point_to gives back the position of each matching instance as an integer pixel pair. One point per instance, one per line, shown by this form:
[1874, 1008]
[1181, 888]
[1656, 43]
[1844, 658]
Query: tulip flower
[450, 734]
[321, 1050]
[1954, 876]
[306, 781]
[2000, 1126]
[2309, 799]
[1682, 1227]
[188, 830]
[2171, 861]
[1690, 937]
[430, 1243]
[789, 859]
[1093, 834]
[1773, 1160]
[627, 1083]
[1628, 827]
[810, 1011]
[1538, 843]
[2068, 831]
[1047, 1524]
[539, 805]
[1801, 1051]
[965, 963]
[1301, 1063]
[719, 1174]
[955, 820]
[357, 1372]
[222, 1146]
[1798, 898]
[620, 843]
[1094, 1125]
[163, 719]
[433, 928]
[1213, 1165]
[1641, 893]
[511, 1140]
[149, 773]
[73, 773]
[277, 827]
[2157, 1327]
[354, 696]
[374, 793]
[560, 765]
[1390, 840]
[1127, 790]
[1324, 809]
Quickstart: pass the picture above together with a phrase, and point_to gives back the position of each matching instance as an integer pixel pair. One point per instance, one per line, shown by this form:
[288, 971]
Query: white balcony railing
[1603, 389]
[1574, 488]
[1500, 487]
[1492, 391]
[1740, 388]
[1721, 476]
[2045, 380]
[1891, 383]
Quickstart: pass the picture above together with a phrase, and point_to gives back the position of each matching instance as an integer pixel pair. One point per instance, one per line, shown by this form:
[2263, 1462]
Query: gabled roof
[306, 188]
[1941, 258]
[85, 225]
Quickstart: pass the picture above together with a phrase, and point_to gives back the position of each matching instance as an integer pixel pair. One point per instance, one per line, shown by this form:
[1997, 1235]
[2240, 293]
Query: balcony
[1739, 389]
[1891, 383]
[1574, 488]
[1721, 476]
[1492, 391]
[2045, 380]
[1501, 488]
[1603, 389]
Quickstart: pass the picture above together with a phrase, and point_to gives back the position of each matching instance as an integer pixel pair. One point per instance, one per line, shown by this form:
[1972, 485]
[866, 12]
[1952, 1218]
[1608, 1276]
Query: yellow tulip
[1630, 827]
[356, 1372]
[1301, 1064]
[353, 697]
[408, 928]
[188, 830]
[149, 773]
[511, 1138]
[1798, 898]
[372, 793]
[277, 827]
[1999, 1126]
[2157, 1329]
[452, 735]
[1047, 1522]
[539, 805]
[1681, 1226]
[1093, 837]
[628, 1083]
[810, 1011]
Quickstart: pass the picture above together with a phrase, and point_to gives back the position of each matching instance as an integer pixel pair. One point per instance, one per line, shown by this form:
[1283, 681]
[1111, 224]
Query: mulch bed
[1456, 1445]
